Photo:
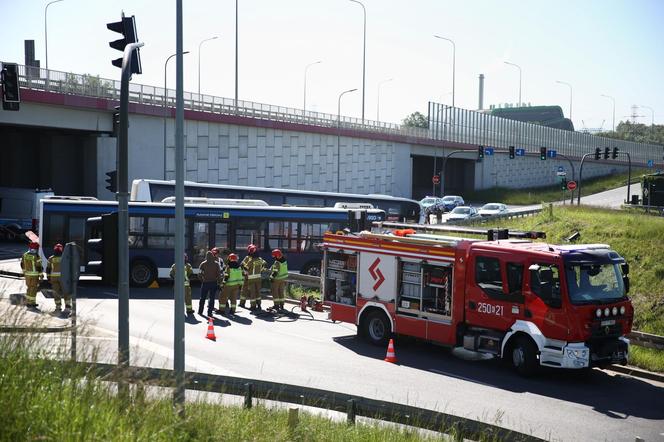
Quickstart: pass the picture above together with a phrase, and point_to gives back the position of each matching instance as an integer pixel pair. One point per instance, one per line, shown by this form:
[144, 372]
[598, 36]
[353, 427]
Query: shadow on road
[617, 396]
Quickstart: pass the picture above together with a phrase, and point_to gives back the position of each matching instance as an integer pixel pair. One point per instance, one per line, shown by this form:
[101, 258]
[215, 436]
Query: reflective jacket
[187, 273]
[233, 276]
[280, 269]
[53, 267]
[31, 264]
[252, 266]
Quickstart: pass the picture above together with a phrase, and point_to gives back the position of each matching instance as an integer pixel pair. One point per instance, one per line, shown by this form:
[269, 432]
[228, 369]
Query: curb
[14, 329]
[637, 372]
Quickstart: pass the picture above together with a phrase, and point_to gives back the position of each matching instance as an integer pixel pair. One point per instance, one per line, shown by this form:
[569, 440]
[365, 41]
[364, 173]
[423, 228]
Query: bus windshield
[590, 283]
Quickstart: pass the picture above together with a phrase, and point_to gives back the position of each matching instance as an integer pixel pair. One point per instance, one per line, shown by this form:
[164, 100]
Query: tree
[640, 133]
[416, 119]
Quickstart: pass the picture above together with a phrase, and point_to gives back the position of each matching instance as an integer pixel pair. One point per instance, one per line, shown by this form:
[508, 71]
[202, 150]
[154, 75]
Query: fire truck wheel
[376, 328]
[524, 356]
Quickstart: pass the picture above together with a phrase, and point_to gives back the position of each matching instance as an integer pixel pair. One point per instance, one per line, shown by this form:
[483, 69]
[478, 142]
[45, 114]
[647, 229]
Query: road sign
[651, 163]
[561, 173]
[488, 151]
[571, 185]
[435, 179]
[551, 153]
[520, 152]
[561, 169]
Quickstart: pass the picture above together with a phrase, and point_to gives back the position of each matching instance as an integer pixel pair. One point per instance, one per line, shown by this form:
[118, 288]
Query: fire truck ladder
[491, 234]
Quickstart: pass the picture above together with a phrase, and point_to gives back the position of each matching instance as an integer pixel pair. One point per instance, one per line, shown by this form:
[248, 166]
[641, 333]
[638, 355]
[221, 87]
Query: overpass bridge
[63, 137]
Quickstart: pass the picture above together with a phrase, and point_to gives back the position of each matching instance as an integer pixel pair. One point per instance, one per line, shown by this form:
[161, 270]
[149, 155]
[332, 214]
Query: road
[556, 405]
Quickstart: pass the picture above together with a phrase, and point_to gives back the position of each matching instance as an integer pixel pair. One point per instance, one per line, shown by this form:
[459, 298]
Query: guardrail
[646, 340]
[487, 219]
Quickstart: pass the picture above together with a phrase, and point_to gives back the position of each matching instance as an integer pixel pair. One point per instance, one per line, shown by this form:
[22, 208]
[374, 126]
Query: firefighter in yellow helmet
[252, 266]
[53, 273]
[278, 276]
[187, 286]
[231, 284]
[32, 271]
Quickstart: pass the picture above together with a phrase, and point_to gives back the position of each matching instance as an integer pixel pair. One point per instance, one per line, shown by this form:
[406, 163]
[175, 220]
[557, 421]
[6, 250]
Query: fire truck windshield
[594, 283]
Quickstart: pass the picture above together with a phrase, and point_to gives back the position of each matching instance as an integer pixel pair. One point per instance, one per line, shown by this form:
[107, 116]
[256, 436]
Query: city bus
[297, 231]
[395, 208]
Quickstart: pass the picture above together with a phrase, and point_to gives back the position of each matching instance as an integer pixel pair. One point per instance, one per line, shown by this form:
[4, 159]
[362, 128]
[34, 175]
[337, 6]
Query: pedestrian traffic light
[563, 183]
[542, 153]
[511, 149]
[103, 247]
[607, 152]
[598, 153]
[112, 181]
[127, 27]
[614, 155]
[10, 88]
[480, 153]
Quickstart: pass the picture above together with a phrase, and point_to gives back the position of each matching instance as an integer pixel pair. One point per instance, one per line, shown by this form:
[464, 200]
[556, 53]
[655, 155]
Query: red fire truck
[531, 303]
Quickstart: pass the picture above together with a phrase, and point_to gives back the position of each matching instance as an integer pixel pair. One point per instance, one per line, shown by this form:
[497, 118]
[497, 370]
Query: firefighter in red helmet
[53, 274]
[252, 266]
[32, 271]
[187, 285]
[278, 276]
[231, 284]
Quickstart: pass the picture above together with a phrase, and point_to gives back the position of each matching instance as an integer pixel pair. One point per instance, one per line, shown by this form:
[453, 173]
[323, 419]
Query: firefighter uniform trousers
[279, 276]
[187, 286]
[32, 269]
[252, 267]
[53, 271]
[231, 288]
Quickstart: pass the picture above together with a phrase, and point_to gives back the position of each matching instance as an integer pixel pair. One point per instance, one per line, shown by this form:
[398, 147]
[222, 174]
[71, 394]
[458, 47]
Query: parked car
[462, 212]
[429, 201]
[449, 202]
[490, 209]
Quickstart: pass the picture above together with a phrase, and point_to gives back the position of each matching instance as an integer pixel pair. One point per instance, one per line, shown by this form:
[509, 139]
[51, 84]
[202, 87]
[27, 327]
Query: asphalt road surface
[554, 405]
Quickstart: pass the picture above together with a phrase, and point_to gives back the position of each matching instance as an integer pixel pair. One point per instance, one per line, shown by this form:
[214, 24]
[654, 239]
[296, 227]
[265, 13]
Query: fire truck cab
[531, 303]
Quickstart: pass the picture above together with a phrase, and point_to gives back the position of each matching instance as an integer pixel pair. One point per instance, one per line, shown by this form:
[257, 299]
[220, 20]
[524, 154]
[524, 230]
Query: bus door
[199, 232]
[220, 235]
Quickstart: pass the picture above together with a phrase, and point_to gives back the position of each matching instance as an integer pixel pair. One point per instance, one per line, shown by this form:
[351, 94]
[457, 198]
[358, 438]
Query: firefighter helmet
[33, 245]
[232, 257]
[215, 251]
[251, 249]
[58, 248]
[276, 253]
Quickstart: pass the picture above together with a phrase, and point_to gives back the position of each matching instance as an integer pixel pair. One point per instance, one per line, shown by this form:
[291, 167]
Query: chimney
[481, 104]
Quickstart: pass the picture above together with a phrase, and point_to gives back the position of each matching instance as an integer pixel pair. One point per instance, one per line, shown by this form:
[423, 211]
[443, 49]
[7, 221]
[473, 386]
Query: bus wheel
[142, 273]
[524, 356]
[376, 328]
[312, 269]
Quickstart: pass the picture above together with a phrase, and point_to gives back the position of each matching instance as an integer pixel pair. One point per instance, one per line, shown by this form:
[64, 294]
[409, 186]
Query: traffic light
[10, 88]
[126, 27]
[598, 153]
[614, 154]
[563, 183]
[607, 152]
[104, 246]
[112, 181]
[511, 149]
[542, 153]
[480, 153]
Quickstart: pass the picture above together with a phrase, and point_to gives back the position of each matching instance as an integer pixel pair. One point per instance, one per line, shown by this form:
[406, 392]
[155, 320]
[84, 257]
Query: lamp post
[236, 52]
[519, 68]
[614, 109]
[339, 133]
[378, 100]
[453, 64]
[570, 96]
[304, 104]
[199, 63]
[46, 30]
[364, 54]
[652, 117]
[166, 105]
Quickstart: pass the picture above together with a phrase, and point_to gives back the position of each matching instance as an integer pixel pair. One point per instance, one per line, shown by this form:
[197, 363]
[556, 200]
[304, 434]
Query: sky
[611, 47]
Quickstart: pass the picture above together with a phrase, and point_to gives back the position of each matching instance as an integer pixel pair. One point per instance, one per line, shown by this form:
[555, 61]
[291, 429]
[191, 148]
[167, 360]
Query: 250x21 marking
[489, 309]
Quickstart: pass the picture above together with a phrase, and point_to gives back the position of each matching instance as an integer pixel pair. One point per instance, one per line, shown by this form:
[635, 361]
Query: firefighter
[278, 275]
[32, 271]
[232, 283]
[210, 274]
[220, 262]
[187, 285]
[252, 266]
[53, 274]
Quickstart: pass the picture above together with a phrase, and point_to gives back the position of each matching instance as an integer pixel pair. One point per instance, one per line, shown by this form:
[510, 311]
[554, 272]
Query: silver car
[491, 209]
[462, 212]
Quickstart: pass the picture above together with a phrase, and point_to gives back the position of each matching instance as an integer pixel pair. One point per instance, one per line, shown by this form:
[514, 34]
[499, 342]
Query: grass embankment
[639, 239]
[535, 195]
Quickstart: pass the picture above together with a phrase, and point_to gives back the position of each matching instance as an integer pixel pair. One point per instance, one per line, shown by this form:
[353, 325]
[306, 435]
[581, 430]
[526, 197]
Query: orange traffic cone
[210, 331]
[391, 356]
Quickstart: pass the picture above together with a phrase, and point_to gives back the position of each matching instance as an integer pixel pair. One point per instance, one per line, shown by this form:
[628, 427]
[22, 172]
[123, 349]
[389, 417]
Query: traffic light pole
[442, 173]
[578, 185]
[629, 174]
[123, 221]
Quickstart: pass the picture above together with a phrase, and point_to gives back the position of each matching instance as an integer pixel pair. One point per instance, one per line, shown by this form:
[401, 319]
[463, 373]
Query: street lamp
[614, 109]
[570, 96]
[236, 53]
[339, 132]
[453, 63]
[46, 30]
[199, 63]
[378, 100]
[166, 103]
[519, 68]
[364, 53]
[304, 104]
[652, 114]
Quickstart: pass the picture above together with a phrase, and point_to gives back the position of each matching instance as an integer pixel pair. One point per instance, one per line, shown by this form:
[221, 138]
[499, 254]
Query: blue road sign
[551, 153]
[520, 152]
[651, 163]
[488, 151]
[561, 169]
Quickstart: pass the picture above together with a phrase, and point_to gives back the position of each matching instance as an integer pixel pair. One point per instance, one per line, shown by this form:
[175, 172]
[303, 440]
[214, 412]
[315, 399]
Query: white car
[429, 201]
[462, 212]
[491, 209]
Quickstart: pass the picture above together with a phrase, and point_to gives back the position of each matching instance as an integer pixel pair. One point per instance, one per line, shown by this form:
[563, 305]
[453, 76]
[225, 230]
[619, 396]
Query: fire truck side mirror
[626, 283]
[625, 268]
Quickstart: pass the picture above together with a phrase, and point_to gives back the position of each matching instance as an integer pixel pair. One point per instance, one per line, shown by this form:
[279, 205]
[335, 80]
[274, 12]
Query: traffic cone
[210, 331]
[391, 356]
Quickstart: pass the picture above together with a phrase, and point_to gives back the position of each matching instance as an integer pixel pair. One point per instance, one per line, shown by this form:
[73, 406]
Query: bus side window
[249, 232]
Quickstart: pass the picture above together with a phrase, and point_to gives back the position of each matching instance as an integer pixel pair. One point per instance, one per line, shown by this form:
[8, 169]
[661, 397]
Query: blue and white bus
[395, 208]
[295, 230]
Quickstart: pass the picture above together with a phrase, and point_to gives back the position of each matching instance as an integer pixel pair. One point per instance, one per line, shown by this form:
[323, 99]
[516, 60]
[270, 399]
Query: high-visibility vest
[30, 265]
[253, 266]
[54, 263]
[234, 277]
[187, 272]
[282, 269]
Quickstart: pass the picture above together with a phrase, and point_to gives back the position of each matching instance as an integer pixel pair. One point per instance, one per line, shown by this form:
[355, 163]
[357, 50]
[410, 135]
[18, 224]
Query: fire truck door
[494, 298]
[543, 299]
